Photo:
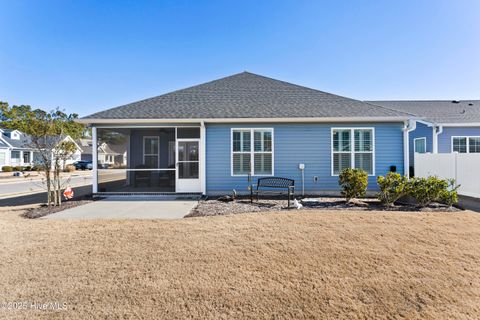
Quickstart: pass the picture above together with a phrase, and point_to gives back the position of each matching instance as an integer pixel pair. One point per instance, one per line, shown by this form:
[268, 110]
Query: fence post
[456, 166]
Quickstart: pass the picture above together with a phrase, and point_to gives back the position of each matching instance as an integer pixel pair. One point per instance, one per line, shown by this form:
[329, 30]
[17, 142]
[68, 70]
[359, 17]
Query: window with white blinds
[252, 152]
[353, 148]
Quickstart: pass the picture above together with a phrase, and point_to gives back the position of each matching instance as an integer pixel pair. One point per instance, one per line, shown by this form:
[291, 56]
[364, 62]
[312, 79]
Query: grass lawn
[312, 264]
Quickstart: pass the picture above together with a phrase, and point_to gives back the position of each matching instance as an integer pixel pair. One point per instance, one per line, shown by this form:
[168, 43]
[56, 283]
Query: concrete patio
[118, 208]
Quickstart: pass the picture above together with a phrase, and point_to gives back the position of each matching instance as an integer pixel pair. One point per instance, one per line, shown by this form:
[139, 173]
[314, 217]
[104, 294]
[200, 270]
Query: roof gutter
[243, 120]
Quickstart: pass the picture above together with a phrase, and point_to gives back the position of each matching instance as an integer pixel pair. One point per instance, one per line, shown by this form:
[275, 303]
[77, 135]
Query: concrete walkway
[128, 209]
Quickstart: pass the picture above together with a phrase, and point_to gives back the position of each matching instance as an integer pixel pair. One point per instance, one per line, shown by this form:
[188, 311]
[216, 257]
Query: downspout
[437, 130]
[408, 127]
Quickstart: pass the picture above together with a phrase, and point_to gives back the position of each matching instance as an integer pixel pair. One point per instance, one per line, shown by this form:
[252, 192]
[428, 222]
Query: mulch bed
[44, 210]
[213, 207]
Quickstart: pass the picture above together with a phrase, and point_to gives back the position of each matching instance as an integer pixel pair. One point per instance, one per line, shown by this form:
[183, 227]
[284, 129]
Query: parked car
[83, 165]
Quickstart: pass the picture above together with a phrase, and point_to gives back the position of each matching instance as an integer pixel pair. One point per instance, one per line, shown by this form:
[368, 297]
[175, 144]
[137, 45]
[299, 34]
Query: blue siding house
[225, 134]
[445, 126]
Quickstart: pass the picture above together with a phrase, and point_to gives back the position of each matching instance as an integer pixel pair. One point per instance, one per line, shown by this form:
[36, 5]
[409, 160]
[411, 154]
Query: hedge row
[393, 186]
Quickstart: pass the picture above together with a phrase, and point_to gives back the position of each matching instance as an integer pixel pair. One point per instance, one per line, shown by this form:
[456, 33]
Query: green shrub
[393, 186]
[353, 183]
[427, 190]
[17, 168]
[7, 169]
[449, 196]
[27, 168]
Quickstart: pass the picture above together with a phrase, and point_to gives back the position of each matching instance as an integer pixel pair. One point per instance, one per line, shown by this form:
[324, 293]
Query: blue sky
[85, 56]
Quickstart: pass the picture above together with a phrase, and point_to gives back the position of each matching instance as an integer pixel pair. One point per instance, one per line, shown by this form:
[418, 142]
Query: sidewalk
[35, 176]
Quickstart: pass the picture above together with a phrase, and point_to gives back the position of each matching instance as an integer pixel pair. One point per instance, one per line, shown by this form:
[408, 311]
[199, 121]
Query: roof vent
[455, 101]
[470, 104]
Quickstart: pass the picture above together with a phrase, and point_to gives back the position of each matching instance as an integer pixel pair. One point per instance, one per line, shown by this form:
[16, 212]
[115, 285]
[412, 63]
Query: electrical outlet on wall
[315, 179]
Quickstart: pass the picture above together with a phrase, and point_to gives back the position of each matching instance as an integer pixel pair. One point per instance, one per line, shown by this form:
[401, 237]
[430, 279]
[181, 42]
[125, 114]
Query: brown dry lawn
[313, 264]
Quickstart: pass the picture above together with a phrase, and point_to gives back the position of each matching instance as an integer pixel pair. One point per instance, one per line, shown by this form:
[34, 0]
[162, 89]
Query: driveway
[115, 208]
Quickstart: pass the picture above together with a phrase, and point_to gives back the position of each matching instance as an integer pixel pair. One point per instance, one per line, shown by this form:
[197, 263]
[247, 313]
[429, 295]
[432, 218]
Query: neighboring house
[16, 150]
[107, 155]
[227, 133]
[446, 126]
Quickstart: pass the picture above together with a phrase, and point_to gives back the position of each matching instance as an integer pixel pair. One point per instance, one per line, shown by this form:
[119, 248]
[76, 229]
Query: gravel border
[43, 210]
[213, 207]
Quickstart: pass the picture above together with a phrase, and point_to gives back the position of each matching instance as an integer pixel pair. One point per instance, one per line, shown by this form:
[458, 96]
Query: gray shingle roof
[23, 143]
[438, 111]
[246, 95]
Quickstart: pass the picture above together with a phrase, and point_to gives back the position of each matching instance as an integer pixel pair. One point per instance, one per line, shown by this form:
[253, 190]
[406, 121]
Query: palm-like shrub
[353, 183]
[427, 190]
[393, 186]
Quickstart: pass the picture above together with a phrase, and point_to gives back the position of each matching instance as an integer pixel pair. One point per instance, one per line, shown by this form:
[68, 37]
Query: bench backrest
[273, 182]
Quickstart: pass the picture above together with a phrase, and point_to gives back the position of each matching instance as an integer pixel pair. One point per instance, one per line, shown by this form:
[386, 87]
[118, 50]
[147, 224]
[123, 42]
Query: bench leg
[251, 194]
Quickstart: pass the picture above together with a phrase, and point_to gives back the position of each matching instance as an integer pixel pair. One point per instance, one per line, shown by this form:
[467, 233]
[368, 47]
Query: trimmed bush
[69, 168]
[393, 186]
[27, 168]
[7, 169]
[449, 196]
[17, 168]
[427, 190]
[353, 183]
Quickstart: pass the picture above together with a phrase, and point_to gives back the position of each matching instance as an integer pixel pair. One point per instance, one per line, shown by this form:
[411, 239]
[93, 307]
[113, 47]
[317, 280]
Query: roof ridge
[167, 93]
[424, 100]
[391, 109]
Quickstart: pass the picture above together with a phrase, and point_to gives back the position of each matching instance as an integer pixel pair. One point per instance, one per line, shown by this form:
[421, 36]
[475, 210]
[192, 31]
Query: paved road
[35, 185]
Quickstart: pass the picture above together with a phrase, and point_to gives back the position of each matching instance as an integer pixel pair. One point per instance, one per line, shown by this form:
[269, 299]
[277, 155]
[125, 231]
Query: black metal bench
[271, 185]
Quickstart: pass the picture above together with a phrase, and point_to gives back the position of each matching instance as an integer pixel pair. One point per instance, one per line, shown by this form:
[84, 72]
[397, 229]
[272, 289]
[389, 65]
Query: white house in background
[16, 150]
[108, 154]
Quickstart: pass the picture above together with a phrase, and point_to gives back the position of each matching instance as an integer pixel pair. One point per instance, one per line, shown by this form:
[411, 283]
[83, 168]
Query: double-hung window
[252, 152]
[466, 144]
[151, 152]
[353, 148]
[420, 145]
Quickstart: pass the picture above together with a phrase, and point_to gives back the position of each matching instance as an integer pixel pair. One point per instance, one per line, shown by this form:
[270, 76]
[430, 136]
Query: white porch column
[94, 161]
[31, 157]
[203, 177]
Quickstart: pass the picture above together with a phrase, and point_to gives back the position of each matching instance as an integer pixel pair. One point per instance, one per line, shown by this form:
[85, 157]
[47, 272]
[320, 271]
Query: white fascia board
[427, 123]
[245, 120]
[6, 142]
[472, 124]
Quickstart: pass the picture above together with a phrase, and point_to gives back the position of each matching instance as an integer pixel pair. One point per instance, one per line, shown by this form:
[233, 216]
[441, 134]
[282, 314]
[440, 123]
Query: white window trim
[415, 145]
[152, 154]
[352, 148]
[468, 143]
[252, 152]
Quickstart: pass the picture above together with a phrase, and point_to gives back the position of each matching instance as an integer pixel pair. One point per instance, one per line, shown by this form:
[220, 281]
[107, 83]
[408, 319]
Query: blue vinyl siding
[421, 131]
[445, 138]
[294, 144]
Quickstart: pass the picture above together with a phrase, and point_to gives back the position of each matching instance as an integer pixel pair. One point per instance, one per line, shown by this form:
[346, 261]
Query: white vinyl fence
[463, 167]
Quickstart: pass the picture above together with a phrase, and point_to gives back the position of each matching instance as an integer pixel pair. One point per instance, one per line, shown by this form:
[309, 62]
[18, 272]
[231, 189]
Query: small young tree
[47, 131]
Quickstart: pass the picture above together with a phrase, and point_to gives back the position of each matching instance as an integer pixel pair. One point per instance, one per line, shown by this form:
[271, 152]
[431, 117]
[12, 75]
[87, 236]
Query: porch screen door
[188, 165]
